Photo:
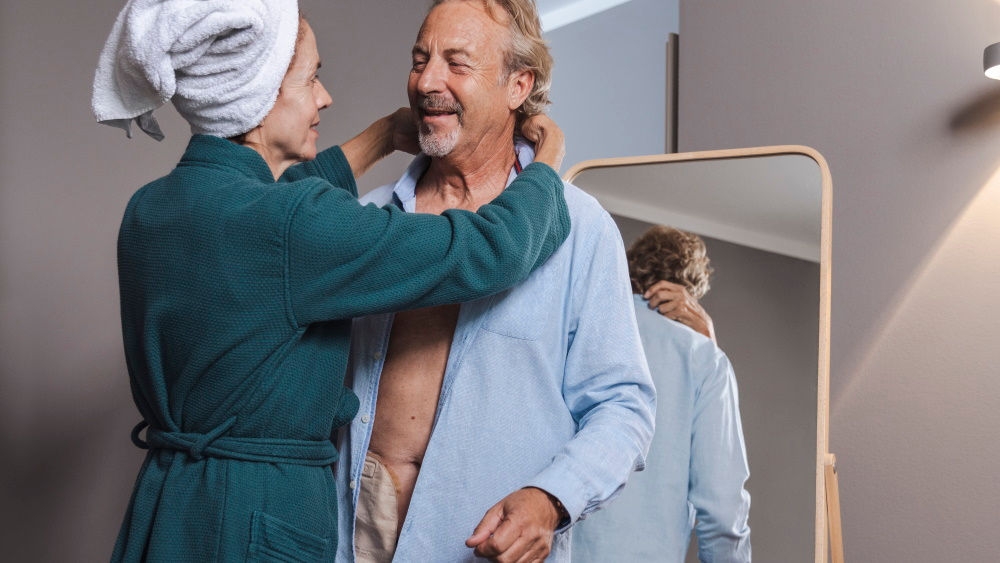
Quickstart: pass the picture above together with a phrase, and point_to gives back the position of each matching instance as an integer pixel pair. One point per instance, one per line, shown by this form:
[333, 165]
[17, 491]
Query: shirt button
[365, 418]
[377, 355]
[353, 484]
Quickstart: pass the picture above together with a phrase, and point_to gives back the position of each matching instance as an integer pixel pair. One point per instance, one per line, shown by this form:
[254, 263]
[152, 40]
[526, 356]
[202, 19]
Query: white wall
[892, 94]
[604, 103]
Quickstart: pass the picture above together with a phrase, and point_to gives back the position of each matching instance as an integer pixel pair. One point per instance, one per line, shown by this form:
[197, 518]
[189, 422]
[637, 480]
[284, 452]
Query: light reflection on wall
[949, 316]
[958, 280]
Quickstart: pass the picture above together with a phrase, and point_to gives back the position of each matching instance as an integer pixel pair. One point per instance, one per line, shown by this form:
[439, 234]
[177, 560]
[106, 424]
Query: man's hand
[518, 528]
[674, 302]
[550, 144]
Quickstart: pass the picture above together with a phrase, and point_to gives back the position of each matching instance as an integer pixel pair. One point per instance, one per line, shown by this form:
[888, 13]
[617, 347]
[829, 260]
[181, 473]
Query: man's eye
[419, 65]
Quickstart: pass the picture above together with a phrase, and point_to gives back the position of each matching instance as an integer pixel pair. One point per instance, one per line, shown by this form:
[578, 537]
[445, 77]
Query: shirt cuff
[567, 490]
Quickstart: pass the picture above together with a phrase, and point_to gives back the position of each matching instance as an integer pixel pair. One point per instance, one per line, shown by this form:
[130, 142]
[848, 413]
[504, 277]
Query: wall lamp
[991, 61]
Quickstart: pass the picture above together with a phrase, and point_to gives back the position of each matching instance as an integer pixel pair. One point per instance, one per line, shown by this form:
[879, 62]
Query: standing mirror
[764, 214]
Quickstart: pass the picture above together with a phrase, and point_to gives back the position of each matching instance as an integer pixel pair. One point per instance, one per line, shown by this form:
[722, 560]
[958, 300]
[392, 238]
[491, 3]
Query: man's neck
[466, 181]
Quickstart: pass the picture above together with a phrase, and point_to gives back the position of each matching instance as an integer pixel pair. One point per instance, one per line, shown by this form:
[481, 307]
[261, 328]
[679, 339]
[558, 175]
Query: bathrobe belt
[218, 445]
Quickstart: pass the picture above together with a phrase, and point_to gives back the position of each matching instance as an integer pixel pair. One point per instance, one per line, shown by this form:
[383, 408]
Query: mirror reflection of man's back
[697, 465]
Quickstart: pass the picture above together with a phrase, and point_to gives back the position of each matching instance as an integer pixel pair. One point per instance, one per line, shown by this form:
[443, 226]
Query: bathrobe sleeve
[346, 260]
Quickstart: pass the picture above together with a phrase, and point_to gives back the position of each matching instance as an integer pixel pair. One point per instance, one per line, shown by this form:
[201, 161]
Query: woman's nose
[323, 100]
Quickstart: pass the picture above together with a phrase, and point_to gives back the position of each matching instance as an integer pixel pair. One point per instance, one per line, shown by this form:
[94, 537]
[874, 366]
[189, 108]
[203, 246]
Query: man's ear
[519, 85]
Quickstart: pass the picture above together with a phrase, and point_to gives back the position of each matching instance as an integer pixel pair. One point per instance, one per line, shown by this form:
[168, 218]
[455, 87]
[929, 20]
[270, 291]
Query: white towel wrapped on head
[221, 62]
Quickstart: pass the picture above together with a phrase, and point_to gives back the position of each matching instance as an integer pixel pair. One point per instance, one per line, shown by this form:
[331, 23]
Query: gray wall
[764, 307]
[892, 94]
[604, 104]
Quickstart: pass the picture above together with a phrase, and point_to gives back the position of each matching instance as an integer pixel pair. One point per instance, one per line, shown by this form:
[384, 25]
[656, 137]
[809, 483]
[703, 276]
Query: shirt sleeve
[606, 386]
[719, 465]
[346, 260]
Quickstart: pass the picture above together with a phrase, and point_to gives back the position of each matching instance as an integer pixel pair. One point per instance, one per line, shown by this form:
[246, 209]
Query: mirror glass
[760, 213]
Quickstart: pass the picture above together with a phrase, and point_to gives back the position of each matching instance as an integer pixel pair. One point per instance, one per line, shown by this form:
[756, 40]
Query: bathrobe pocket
[272, 539]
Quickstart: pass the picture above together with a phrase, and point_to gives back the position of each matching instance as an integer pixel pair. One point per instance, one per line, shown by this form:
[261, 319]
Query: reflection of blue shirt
[697, 463]
[546, 385]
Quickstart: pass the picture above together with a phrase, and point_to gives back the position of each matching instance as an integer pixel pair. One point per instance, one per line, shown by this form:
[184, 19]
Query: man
[697, 465]
[486, 427]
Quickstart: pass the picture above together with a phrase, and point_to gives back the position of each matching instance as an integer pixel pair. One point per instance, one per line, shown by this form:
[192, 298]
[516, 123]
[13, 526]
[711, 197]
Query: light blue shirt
[546, 385]
[696, 467]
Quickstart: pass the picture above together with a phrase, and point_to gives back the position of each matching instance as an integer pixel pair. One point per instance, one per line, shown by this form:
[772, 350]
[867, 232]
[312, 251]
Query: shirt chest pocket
[525, 311]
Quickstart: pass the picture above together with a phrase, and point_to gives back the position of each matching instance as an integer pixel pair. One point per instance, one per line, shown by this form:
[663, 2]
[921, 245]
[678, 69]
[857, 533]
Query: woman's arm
[394, 132]
[345, 259]
[398, 132]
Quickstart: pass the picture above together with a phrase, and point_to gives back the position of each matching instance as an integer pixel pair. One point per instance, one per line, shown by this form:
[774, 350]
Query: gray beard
[437, 145]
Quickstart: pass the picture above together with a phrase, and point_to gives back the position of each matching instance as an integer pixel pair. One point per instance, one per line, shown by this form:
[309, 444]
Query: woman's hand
[550, 144]
[674, 302]
[404, 131]
[394, 132]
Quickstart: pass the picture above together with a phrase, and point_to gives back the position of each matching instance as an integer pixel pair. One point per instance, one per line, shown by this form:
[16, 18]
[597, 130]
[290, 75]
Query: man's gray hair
[527, 50]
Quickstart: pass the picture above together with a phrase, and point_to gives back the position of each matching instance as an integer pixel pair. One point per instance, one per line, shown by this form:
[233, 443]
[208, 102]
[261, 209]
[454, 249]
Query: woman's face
[288, 134]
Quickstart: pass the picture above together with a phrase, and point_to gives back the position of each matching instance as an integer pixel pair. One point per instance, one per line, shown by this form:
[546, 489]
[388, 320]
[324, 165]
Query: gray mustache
[440, 103]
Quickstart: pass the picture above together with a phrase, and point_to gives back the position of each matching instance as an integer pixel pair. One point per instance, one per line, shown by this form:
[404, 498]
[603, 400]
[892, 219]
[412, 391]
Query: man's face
[458, 90]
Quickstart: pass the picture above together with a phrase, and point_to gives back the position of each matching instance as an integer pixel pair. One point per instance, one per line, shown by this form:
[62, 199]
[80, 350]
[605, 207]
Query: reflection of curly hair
[666, 253]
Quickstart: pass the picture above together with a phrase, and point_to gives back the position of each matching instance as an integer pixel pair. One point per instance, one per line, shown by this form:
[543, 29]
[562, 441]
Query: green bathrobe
[236, 298]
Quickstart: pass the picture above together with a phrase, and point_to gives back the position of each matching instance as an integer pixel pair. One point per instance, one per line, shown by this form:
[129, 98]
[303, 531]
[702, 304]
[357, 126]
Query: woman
[239, 274]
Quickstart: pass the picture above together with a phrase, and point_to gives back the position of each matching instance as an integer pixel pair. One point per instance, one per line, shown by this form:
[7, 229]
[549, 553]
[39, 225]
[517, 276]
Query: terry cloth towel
[221, 62]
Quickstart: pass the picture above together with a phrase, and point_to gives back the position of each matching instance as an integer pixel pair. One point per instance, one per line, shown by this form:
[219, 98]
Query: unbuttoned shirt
[697, 463]
[545, 385]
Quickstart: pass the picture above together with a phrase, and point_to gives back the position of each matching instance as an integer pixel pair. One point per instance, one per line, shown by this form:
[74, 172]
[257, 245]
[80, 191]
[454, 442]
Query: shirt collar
[404, 191]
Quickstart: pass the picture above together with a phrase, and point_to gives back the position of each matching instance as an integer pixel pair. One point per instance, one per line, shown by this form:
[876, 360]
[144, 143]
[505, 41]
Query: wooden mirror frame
[827, 525]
